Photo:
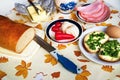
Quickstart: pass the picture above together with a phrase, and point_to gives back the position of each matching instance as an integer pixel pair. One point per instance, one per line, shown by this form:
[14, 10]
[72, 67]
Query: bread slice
[110, 51]
[94, 40]
[14, 36]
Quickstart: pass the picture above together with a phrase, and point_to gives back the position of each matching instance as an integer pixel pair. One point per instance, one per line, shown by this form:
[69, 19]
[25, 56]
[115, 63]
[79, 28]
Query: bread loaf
[14, 36]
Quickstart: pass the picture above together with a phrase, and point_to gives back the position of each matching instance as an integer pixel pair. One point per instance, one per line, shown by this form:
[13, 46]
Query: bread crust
[101, 57]
[10, 33]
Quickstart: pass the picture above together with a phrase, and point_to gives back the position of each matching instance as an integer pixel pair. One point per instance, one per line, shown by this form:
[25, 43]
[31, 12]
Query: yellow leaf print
[61, 46]
[23, 69]
[3, 59]
[2, 74]
[83, 76]
[50, 59]
[107, 68]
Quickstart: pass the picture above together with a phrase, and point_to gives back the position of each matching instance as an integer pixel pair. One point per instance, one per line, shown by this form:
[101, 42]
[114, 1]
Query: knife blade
[65, 62]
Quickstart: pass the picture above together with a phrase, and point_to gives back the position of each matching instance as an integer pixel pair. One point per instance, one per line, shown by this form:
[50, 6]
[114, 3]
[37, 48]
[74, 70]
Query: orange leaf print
[83, 1]
[107, 68]
[23, 69]
[114, 11]
[80, 77]
[50, 59]
[61, 46]
[84, 74]
[75, 43]
[73, 16]
[83, 60]
[55, 75]
[118, 76]
[77, 53]
[39, 26]
[3, 59]
[23, 63]
[2, 74]
[104, 24]
[84, 67]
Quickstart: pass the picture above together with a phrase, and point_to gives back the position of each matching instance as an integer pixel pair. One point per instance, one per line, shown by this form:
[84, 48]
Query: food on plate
[14, 36]
[113, 31]
[93, 41]
[94, 12]
[110, 51]
[65, 31]
[35, 17]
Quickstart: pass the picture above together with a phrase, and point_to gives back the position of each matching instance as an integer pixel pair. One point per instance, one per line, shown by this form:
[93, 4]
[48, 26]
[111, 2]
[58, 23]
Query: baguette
[110, 51]
[94, 40]
[14, 36]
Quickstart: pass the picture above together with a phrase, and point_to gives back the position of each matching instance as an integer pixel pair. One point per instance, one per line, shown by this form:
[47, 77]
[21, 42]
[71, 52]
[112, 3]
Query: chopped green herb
[94, 40]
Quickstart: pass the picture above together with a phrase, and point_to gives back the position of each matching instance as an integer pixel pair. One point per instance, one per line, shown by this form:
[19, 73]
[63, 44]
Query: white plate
[93, 57]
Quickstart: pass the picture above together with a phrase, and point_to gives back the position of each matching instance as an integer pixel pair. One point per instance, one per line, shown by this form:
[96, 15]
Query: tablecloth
[42, 66]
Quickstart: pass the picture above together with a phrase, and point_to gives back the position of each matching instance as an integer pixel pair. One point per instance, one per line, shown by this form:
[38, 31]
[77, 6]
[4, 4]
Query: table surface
[42, 66]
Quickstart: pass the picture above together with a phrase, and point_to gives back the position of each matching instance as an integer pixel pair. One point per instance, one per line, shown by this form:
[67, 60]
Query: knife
[66, 63]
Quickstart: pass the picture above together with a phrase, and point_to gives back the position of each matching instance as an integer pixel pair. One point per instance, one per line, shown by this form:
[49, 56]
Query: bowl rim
[81, 19]
[80, 28]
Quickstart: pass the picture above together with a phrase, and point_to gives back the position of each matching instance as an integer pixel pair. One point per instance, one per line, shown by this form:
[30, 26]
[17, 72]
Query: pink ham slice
[95, 12]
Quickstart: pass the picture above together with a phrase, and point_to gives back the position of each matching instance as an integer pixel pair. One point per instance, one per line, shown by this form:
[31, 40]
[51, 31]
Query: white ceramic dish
[50, 34]
[93, 57]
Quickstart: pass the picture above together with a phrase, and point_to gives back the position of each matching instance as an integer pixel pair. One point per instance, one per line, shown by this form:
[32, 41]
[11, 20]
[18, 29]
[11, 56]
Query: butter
[42, 16]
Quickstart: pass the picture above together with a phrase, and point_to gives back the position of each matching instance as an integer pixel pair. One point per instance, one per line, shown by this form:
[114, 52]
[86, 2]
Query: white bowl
[50, 34]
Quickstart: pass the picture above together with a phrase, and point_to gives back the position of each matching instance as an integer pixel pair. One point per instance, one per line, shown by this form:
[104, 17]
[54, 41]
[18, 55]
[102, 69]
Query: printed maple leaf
[39, 26]
[83, 1]
[114, 11]
[84, 74]
[73, 16]
[3, 59]
[83, 60]
[55, 75]
[50, 59]
[107, 68]
[75, 43]
[104, 24]
[2, 74]
[23, 69]
[61, 46]
[77, 53]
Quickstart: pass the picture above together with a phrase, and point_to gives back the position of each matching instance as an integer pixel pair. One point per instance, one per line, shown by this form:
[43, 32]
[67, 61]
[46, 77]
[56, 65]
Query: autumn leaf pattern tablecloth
[42, 66]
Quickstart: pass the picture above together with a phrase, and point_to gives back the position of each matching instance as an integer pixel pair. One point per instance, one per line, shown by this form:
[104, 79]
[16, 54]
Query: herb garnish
[94, 40]
[111, 48]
